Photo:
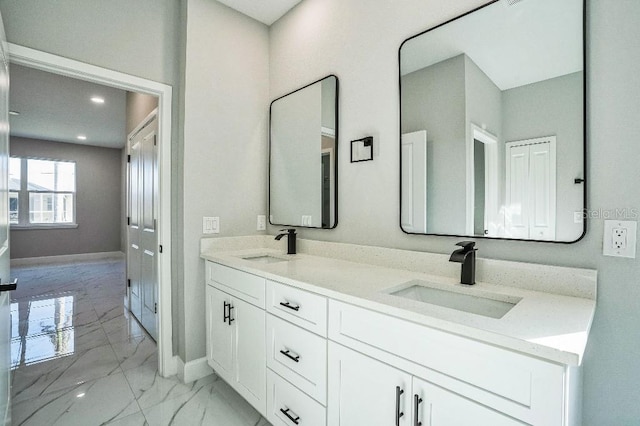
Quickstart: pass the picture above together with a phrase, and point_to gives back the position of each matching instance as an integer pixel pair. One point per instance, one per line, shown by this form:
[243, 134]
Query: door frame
[491, 218]
[32, 58]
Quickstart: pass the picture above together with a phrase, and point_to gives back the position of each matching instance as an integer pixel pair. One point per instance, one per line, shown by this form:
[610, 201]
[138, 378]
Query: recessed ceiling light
[14, 113]
[82, 137]
[97, 100]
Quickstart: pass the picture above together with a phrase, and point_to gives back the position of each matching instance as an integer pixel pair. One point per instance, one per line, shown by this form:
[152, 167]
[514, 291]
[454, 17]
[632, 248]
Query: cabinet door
[219, 332]
[439, 407]
[363, 391]
[250, 353]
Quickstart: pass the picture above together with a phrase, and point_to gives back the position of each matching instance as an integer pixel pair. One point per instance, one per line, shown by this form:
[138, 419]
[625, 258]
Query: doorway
[482, 183]
[63, 66]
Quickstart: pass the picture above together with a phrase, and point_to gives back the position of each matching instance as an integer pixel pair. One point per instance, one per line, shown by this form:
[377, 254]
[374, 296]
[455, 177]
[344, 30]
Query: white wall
[319, 37]
[225, 143]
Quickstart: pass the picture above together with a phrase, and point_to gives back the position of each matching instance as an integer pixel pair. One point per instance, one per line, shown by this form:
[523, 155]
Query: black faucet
[291, 240]
[467, 256]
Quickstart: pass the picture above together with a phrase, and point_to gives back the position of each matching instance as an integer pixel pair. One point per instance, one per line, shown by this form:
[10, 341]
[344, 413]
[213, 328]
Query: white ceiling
[58, 108]
[530, 41]
[265, 11]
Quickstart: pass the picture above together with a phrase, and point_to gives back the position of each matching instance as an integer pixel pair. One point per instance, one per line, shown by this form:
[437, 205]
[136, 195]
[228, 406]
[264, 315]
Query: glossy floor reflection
[79, 358]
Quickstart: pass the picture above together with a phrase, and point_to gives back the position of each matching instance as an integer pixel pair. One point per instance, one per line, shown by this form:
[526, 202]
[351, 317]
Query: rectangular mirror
[492, 124]
[303, 152]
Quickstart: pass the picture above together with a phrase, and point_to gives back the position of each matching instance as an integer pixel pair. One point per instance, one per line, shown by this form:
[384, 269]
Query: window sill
[43, 226]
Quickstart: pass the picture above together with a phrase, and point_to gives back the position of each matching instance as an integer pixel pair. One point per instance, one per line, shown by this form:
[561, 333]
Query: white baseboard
[193, 370]
[47, 260]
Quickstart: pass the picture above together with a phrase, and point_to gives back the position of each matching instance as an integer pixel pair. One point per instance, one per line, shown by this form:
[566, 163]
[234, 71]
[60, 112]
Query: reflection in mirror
[303, 154]
[492, 123]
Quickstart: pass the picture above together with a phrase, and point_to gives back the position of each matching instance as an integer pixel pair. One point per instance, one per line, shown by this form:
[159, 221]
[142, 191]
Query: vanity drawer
[242, 285]
[300, 307]
[283, 396]
[522, 386]
[299, 356]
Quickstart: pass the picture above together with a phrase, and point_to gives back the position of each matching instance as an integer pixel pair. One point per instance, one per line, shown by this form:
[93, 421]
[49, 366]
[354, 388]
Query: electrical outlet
[210, 225]
[262, 222]
[619, 238]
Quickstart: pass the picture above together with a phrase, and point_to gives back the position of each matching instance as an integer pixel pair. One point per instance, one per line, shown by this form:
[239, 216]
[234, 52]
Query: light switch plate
[210, 225]
[620, 238]
[261, 223]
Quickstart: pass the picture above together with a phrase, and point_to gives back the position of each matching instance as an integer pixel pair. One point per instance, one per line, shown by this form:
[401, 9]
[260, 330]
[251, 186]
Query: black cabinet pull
[288, 355]
[290, 306]
[398, 412]
[416, 412]
[9, 286]
[289, 416]
[224, 313]
[230, 309]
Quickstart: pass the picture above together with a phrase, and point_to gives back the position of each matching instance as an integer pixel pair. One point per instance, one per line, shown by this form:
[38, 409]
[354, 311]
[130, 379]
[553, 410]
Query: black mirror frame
[584, 124]
[335, 168]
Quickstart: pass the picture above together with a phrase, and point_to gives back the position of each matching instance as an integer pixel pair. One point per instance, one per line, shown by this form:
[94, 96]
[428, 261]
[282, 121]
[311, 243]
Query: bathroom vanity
[328, 337]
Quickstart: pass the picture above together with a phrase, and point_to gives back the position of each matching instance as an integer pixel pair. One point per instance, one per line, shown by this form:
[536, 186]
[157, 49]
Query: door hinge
[155, 224]
[128, 158]
[160, 248]
[128, 220]
[154, 140]
[128, 283]
[155, 308]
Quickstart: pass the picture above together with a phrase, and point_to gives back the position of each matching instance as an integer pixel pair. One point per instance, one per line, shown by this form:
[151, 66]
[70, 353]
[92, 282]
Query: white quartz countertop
[550, 326]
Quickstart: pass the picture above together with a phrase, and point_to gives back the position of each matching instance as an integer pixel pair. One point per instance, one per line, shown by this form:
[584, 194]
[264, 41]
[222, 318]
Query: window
[41, 192]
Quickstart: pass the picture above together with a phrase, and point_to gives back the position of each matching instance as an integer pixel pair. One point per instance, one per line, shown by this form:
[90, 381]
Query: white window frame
[24, 197]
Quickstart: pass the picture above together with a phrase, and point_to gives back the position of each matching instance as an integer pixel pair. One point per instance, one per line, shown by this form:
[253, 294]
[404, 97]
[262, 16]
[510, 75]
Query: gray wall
[98, 201]
[433, 99]
[552, 107]
[225, 149]
[367, 65]
[295, 157]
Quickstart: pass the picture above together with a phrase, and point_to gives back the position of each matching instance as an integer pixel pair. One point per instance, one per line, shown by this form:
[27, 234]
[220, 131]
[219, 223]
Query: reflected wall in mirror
[303, 150]
[492, 124]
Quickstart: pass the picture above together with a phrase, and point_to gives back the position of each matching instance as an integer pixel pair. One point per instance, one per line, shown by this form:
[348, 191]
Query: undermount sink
[264, 258]
[488, 304]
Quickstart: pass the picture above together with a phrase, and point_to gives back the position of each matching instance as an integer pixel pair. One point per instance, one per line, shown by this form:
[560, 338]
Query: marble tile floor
[79, 358]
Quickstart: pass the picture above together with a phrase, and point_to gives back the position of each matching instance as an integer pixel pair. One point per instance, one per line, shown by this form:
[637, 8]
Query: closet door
[517, 214]
[531, 189]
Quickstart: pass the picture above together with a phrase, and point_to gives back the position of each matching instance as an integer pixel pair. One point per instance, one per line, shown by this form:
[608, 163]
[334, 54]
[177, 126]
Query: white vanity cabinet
[235, 333]
[366, 391]
[479, 384]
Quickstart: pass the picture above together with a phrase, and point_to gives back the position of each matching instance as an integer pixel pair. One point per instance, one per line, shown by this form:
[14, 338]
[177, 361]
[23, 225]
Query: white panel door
[250, 352]
[364, 391]
[531, 189]
[134, 252]
[143, 236]
[5, 313]
[414, 182]
[517, 214]
[219, 332]
[435, 406]
[542, 172]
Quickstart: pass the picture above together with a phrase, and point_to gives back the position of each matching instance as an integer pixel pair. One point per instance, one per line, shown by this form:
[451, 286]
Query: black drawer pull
[289, 416]
[9, 286]
[416, 411]
[288, 355]
[288, 305]
[398, 412]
